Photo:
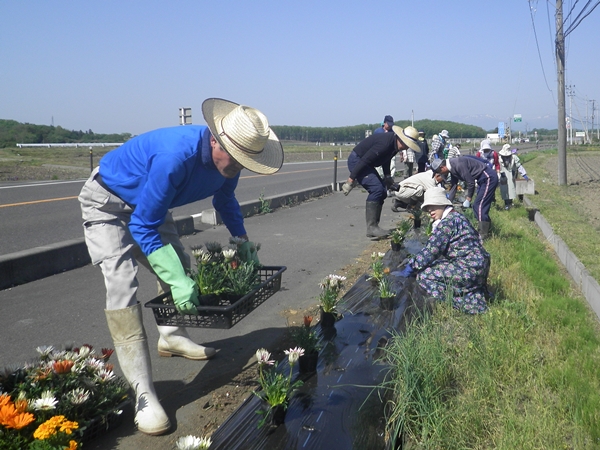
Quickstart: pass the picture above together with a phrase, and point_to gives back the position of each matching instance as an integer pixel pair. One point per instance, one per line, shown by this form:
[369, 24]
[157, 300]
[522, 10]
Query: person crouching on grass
[453, 262]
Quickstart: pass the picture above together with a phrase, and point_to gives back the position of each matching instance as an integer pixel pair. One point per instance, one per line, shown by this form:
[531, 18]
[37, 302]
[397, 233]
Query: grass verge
[524, 375]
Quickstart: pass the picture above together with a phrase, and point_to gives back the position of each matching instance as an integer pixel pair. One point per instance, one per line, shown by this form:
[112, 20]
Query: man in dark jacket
[422, 161]
[471, 170]
[377, 150]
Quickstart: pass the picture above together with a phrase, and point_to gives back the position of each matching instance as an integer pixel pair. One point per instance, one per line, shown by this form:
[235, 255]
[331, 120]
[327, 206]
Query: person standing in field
[510, 168]
[125, 206]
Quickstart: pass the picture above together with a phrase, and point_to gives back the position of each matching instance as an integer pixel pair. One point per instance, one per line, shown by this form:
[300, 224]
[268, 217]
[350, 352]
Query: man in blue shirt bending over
[125, 207]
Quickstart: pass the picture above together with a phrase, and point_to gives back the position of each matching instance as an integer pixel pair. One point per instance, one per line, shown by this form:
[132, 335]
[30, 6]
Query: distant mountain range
[489, 122]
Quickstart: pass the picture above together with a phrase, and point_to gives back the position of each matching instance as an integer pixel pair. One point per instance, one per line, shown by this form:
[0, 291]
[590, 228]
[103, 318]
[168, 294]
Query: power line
[575, 23]
[538, 50]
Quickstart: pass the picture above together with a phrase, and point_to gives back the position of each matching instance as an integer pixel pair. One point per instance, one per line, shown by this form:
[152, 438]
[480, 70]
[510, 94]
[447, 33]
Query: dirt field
[583, 177]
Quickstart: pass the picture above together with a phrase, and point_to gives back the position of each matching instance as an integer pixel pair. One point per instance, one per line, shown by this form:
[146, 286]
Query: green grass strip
[524, 375]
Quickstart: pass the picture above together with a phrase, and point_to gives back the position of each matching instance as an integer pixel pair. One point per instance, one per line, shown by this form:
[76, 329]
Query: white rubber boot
[175, 341]
[131, 347]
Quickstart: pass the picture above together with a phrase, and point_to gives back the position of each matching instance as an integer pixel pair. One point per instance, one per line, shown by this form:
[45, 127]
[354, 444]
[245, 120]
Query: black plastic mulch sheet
[338, 407]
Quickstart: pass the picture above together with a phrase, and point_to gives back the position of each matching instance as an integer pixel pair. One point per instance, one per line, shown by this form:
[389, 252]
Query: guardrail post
[91, 160]
[335, 186]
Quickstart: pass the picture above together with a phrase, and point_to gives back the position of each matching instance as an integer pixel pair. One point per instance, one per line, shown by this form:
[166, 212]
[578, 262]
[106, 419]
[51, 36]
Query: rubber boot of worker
[373, 213]
[484, 229]
[175, 341]
[131, 346]
[398, 205]
[507, 204]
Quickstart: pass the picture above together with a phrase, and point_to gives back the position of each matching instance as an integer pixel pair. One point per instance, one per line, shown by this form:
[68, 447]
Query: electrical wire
[538, 50]
[575, 23]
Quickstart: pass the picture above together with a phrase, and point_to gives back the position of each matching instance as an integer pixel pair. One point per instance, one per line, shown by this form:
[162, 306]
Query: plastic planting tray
[224, 315]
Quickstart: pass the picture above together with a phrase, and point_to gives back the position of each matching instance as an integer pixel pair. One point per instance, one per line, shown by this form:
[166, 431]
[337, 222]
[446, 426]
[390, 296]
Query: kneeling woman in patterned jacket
[453, 263]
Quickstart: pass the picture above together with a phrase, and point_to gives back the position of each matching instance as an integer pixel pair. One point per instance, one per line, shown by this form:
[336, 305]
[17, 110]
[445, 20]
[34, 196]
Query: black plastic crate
[227, 313]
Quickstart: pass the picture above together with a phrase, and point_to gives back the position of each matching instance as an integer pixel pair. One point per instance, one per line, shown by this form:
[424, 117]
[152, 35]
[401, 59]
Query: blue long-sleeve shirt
[165, 168]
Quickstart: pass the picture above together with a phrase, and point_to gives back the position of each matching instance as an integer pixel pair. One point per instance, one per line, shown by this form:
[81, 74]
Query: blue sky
[127, 66]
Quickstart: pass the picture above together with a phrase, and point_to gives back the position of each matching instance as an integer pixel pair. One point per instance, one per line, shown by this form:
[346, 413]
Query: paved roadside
[312, 239]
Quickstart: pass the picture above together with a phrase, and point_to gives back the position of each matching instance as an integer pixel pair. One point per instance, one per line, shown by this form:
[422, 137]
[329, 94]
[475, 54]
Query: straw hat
[505, 150]
[435, 196]
[408, 135]
[244, 133]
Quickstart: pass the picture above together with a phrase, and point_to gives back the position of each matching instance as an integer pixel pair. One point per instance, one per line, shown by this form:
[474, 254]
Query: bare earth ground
[583, 177]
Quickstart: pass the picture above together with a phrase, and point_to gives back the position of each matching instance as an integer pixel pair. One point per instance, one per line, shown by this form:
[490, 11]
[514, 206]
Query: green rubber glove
[167, 266]
[248, 252]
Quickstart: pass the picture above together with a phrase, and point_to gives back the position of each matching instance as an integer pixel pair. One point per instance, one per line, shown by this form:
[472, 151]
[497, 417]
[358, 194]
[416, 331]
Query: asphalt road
[42, 213]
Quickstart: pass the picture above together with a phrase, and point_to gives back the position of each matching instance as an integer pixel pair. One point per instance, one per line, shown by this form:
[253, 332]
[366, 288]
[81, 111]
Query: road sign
[517, 118]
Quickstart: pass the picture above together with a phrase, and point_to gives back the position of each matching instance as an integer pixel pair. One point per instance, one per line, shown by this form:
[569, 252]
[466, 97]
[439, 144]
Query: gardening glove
[248, 252]
[407, 272]
[525, 177]
[388, 181]
[347, 187]
[167, 266]
[395, 187]
[466, 204]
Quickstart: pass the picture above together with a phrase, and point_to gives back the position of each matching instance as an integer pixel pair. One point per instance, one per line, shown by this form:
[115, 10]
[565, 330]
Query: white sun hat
[244, 133]
[435, 196]
[408, 135]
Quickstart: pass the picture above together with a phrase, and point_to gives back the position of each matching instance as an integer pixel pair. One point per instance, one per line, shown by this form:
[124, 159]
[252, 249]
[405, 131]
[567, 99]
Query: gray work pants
[112, 247]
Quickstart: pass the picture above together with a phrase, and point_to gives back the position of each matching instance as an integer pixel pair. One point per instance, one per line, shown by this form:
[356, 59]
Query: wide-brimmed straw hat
[435, 196]
[505, 150]
[244, 133]
[408, 135]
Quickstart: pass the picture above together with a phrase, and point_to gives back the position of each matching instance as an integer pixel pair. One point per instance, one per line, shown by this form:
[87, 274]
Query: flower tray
[227, 313]
[98, 426]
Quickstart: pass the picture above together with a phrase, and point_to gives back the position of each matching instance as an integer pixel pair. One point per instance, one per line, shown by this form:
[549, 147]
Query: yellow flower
[49, 427]
[72, 445]
[67, 426]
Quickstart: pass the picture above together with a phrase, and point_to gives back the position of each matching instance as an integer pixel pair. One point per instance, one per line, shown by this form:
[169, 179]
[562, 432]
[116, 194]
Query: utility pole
[570, 93]
[560, 70]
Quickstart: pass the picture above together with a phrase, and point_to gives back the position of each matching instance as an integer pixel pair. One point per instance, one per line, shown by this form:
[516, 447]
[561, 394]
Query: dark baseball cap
[389, 120]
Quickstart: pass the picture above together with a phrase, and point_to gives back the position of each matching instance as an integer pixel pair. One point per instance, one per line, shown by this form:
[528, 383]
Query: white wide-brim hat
[505, 151]
[408, 135]
[435, 196]
[244, 133]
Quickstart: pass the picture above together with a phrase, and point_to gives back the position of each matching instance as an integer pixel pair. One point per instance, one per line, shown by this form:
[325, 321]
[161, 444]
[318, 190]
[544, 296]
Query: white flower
[104, 375]
[85, 351]
[193, 443]
[78, 396]
[228, 254]
[45, 350]
[46, 402]
[294, 354]
[263, 357]
[94, 364]
[197, 252]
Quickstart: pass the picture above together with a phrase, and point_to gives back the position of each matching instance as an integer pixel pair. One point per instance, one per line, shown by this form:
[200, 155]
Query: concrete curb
[41, 262]
[588, 285]
[251, 208]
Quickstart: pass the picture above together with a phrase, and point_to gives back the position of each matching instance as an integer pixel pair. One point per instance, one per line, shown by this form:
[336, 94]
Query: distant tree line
[357, 132]
[13, 132]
